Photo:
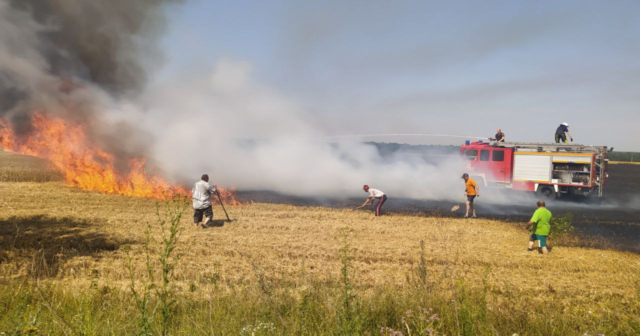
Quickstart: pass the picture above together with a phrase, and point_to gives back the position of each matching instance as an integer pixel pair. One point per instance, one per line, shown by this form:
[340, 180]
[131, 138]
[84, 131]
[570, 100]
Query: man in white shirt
[374, 194]
[202, 192]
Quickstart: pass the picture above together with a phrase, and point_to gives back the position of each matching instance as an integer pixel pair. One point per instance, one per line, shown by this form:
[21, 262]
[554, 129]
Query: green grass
[312, 308]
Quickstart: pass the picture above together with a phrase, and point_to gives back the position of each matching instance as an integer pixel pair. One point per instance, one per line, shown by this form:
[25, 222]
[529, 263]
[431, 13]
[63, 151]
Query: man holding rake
[374, 194]
[471, 191]
[202, 192]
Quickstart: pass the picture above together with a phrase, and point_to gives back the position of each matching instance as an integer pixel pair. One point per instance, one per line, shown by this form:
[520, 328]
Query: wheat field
[69, 241]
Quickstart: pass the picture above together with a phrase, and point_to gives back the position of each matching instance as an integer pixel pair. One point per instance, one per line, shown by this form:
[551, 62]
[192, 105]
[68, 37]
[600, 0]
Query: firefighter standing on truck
[560, 133]
[499, 136]
[472, 190]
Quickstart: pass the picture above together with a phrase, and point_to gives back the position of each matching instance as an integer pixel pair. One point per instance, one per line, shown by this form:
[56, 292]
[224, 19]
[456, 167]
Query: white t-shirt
[375, 193]
[202, 192]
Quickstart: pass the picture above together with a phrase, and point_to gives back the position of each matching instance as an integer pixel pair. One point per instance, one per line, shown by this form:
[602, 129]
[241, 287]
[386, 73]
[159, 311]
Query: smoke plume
[243, 133]
[89, 61]
[72, 58]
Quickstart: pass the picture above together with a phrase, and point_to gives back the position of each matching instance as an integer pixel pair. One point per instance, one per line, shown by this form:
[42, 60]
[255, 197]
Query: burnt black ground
[609, 223]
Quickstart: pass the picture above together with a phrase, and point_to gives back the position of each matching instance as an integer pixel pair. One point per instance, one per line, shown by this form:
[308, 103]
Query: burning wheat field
[116, 130]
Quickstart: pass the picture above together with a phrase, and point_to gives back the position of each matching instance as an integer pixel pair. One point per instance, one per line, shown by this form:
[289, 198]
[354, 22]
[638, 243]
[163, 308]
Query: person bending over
[374, 194]
[561, 137]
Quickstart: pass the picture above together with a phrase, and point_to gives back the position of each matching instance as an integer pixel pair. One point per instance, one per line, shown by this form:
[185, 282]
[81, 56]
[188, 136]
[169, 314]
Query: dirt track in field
[611, 223]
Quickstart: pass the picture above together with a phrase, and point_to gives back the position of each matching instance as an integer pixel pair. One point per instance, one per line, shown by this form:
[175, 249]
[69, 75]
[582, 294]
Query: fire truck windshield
[471, 154]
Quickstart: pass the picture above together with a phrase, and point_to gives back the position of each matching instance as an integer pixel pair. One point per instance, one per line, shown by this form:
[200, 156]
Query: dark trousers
[378, 206]
[561, 138]
[197, 214]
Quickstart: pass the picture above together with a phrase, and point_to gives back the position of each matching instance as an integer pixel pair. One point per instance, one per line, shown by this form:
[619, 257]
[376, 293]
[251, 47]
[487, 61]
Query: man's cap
[565, 124]
[365, 187]
[465, 175]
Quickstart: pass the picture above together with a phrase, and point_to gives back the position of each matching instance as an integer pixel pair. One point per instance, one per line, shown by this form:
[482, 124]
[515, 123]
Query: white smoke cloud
[216, 120]
[633, 203]
[244, 134]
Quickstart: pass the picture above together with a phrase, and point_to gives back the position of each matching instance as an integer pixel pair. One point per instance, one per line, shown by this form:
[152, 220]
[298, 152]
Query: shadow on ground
[41, 245]
[216, 223]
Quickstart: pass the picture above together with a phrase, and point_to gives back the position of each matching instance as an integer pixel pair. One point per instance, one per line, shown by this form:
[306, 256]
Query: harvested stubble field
[67, 257]
[22, 168]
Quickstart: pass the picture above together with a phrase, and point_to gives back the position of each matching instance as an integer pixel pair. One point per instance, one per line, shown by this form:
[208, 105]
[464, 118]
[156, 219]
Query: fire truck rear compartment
[571, 173]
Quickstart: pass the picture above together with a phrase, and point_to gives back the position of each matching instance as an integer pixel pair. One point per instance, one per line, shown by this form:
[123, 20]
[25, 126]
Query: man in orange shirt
[471, 191]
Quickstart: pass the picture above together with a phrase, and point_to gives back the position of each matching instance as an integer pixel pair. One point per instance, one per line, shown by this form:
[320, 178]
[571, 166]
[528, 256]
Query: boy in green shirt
[541, 219]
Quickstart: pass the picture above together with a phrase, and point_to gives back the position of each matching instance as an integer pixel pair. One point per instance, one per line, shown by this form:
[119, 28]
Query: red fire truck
[550, 170]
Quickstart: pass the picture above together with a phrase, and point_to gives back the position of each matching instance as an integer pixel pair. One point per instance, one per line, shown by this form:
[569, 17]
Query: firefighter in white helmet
[560, 133]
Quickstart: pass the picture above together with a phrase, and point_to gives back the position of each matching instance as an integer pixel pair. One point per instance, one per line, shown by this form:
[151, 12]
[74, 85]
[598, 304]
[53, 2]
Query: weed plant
[168, 214]
[346, 321]
[562, 226]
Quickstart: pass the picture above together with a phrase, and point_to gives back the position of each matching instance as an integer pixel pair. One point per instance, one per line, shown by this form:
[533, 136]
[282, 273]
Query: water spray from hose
[403, 134]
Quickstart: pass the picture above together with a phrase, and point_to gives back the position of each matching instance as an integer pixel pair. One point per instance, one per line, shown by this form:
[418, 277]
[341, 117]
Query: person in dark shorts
[374, 194]
[202, 192]
[471, 191]
[541, 226]
[561, 137]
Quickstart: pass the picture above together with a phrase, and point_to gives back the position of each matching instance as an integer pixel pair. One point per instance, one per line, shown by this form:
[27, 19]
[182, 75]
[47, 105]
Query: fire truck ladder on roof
[551, 147]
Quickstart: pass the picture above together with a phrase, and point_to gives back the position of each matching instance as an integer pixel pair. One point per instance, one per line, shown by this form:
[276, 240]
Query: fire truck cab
[550, 170]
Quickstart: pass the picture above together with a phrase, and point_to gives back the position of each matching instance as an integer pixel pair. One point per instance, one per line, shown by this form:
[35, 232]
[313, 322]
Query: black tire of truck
[546, 193]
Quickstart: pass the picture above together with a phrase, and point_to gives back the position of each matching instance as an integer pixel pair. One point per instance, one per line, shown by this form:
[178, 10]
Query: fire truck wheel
[546, 193]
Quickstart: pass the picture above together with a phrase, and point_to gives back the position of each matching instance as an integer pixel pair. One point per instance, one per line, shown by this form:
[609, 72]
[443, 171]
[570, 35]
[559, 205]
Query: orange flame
[86, 166]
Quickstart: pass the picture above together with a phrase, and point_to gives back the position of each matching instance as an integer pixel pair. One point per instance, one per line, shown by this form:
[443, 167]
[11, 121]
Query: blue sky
[446, 67]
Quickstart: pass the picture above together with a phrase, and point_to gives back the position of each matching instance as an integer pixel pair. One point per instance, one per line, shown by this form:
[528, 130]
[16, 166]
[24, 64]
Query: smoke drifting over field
[88, 61]
[73, 58]
[247, 135]
[100, 42]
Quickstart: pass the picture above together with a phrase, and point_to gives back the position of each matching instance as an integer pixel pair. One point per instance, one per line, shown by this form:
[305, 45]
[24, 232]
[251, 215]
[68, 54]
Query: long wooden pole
[225, 210]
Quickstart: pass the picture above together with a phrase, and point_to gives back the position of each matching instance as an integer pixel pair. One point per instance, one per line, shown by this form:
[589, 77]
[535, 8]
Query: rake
[457, 206]
[225, 210]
